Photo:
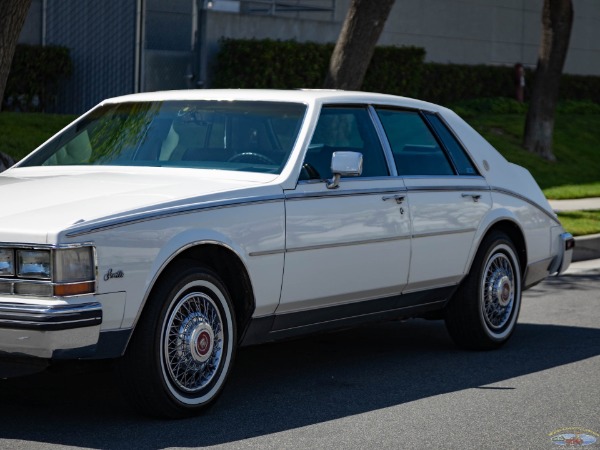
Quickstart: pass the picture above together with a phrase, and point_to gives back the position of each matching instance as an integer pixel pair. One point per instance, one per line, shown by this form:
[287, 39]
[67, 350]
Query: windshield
[229, 135]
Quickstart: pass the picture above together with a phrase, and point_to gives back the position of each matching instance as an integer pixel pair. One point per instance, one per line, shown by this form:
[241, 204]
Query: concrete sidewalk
[584, 266]
[586, 247]
[580, 204]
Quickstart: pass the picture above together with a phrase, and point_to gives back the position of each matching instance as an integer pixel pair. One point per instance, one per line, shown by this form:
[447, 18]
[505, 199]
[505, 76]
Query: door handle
[475, 197]
[397, 198]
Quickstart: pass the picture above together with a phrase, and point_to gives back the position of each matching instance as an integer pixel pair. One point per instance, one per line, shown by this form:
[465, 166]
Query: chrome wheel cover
[193, 342]
[499, 292]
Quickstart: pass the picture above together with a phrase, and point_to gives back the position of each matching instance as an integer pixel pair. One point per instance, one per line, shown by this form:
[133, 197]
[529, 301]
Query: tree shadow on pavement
[282, 386]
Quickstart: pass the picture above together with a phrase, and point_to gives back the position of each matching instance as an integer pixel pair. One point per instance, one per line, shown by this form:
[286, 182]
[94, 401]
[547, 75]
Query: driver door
[347, 249]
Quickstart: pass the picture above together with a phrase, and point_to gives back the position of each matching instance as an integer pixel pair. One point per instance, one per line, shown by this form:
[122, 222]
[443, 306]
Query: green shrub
[580, 87]
[449, 83]
[496, 105]
[394, 70]
[34, 76]
[270, 64]
[578, 107]
[266, 63]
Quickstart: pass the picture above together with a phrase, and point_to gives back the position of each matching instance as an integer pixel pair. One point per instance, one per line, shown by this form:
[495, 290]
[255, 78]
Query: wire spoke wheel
[193, 342]
[183, 349]
[498, 291]
[483, 312]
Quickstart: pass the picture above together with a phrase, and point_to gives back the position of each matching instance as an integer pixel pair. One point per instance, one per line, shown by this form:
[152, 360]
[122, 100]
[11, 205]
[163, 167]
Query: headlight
[34, 264]
[7, 262]
[74, 271]
[74, 264]
[59, 272]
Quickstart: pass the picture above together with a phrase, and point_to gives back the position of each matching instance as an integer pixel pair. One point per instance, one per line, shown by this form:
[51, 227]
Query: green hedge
[273, 64]
[34, 76]
[580, 87]
[270, 64]
[449, 83]
[395, 70]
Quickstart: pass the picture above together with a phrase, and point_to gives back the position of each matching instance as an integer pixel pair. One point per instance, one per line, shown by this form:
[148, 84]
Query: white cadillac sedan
[168, 229]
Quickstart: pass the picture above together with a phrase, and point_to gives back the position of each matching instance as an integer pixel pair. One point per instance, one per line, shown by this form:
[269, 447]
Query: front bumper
[49, 331]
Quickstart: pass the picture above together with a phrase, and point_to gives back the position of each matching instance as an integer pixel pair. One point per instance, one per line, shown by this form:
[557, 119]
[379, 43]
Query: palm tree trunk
[12, 17]
[557, 20]
[355, 46]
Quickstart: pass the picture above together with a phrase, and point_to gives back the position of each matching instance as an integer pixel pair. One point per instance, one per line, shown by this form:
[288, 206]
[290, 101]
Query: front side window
[238, 135]
[344, 129]
[415, 149]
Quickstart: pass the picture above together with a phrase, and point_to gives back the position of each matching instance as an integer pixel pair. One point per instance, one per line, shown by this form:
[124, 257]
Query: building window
[303, 9]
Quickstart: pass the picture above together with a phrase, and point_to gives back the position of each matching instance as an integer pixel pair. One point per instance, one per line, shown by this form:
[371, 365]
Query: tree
[557, 21]
[12, 17]
[355, 46]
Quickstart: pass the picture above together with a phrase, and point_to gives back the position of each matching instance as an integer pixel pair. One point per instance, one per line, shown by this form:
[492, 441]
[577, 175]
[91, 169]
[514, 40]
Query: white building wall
[495, 32]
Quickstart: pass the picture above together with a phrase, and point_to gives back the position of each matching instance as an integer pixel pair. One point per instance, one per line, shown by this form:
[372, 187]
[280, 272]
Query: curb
[586, 247]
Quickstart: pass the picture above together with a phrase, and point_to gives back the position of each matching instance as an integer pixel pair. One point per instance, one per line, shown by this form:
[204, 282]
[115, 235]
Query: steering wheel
[249, 156]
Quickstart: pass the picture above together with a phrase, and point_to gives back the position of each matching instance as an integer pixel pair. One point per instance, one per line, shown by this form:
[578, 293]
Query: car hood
[37, 203]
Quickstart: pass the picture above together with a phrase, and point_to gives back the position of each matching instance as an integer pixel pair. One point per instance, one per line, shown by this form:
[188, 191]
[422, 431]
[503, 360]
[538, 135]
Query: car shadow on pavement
[282, 386]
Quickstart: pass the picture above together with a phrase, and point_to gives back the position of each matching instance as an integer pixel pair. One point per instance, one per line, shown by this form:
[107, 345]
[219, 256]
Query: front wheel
[483, 313]
[183, 348]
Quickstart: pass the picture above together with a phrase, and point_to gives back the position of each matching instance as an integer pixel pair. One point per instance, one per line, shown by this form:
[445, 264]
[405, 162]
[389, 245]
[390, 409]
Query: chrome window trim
[419, 189]
[383, 139]
[294, 196]
[361, 179]
[440, 142]
[461, 143]
[170, 212]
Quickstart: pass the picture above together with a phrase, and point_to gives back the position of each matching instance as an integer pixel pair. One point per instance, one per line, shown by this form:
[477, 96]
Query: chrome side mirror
[344, 164]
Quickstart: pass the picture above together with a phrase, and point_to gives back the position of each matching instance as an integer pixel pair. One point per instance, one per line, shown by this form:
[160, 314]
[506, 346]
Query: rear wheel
[483, 313]
[183, 348]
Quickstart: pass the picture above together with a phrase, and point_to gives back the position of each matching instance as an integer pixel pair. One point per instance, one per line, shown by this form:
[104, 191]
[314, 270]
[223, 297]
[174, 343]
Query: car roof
[299, 96]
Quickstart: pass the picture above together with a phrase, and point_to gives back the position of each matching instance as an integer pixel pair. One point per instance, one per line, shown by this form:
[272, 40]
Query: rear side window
[463, 164]
[415, 149]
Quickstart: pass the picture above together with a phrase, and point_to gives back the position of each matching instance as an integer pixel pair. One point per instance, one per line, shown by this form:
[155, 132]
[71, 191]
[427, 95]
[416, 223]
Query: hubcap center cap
[201, 342]
[503, 291]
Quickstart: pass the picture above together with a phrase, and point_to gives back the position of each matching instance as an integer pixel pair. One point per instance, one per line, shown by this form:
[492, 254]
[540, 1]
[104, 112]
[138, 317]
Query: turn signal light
[63, 290]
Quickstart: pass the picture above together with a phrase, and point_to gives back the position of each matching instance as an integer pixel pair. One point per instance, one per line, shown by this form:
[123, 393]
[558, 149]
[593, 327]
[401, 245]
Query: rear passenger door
[446, 195]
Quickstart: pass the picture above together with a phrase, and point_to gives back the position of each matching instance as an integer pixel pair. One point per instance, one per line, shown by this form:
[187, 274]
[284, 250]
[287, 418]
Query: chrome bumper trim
[49, 317]
[563, 260]
[568, 244]
[49, 331]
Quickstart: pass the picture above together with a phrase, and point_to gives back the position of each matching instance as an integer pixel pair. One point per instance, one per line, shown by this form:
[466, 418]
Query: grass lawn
[575, 173]
[21, 133]
[580, 223]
